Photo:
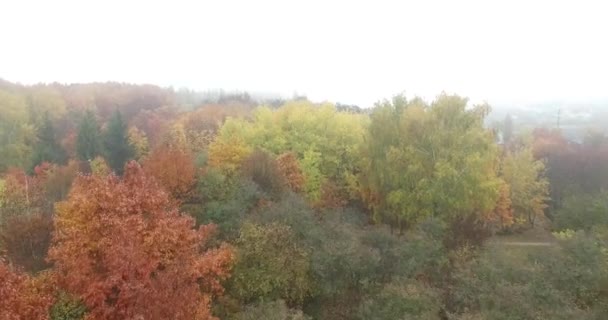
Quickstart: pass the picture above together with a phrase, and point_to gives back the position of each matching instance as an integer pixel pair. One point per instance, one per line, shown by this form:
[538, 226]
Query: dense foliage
[134, 202]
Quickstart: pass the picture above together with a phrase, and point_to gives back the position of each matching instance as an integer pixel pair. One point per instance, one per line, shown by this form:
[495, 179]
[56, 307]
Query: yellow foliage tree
[227, 154]
[324, 141]
[139, 141]
[529, 186]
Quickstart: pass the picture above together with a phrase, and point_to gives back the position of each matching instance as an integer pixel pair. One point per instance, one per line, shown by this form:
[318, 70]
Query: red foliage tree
[124, 248]
[23, 297]
[154, 123]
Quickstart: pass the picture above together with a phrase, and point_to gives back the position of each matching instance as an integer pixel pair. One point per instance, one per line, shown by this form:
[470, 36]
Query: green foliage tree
[16, 131]
[528, 186]
[424, 160]
[117, 148]
[88, 143]
[47, 149]
[224, 201]
[139, 141]
[67, 307]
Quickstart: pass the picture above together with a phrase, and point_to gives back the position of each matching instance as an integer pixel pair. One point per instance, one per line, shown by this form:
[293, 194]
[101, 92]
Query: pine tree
[88, 143]
[47, 149]
[116, 143]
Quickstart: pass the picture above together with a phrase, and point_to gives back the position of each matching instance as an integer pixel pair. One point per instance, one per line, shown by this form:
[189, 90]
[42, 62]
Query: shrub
[508, 284]
[402, 299]
[274, 310]
[582, 212]
[271, 264]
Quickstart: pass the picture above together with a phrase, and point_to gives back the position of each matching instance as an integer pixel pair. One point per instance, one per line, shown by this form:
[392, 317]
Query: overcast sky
[346, 51]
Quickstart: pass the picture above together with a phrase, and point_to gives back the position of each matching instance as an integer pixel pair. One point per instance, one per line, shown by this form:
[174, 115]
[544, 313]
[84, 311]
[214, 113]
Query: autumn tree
[262, 168]
[529, 189]
[88, 143]
[139, 141]
[59, 180]
[324, 140]
[116, 142]
[173, 168]
[227, 154]
[128, 253]
[154, 123]
[445, 159]
[23, 194]
[502, 216]
[23, 296]
[25, 218]
[25, 240]
[99, 166]
[291, 171]
[562, 161]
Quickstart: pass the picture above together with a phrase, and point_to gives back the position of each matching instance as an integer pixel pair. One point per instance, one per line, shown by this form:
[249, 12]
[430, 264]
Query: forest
[124, 201]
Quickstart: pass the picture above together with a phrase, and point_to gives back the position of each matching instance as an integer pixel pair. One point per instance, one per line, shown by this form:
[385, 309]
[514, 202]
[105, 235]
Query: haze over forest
[353, 52]
[303, 160]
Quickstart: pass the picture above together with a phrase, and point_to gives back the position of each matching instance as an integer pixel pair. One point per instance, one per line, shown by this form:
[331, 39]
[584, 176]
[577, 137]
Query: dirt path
[537, 237]
[525, 243]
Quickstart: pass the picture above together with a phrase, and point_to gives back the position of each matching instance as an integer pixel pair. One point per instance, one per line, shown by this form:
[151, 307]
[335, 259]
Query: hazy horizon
[353, 53]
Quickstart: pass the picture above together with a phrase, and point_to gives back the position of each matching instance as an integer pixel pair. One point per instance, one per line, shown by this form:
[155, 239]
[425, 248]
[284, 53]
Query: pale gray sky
[346, 51]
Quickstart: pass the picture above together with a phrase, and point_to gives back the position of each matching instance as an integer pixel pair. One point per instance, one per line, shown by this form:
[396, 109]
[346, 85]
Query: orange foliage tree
[22, 296]
[122, 246]
[173, 168]
[331, 196]
[291, 171]
[502, 216]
